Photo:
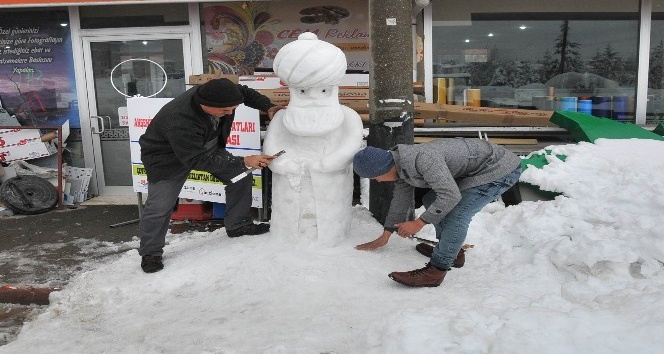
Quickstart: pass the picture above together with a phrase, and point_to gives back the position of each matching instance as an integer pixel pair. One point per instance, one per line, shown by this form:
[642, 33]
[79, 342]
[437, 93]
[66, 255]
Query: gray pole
[390, 87]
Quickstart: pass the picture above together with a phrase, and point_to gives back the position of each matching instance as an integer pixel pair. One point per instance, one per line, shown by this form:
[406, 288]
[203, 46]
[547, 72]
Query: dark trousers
[163, 196]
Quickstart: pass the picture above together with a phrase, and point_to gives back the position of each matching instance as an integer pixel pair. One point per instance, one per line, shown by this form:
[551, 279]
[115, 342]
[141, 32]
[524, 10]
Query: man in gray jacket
[463, 176]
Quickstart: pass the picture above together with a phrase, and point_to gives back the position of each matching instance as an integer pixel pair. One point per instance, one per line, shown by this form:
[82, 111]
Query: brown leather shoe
[427, 250]
[429, 276]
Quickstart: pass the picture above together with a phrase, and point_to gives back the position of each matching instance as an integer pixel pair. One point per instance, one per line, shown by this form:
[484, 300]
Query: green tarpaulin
[584, 127]
[539, 160]
[659, 129]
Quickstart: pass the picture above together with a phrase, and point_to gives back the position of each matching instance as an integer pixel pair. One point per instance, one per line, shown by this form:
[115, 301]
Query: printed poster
[244, 140]
[37, 82]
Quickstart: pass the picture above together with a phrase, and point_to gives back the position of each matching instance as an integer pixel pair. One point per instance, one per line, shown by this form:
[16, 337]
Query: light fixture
[490, 34]
[522, 27]
[145, 42]
[467, 41]
[64, 24]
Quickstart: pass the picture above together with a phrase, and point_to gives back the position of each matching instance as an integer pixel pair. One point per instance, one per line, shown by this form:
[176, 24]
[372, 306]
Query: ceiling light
[490, 34]
[467, 41]
[522, 27]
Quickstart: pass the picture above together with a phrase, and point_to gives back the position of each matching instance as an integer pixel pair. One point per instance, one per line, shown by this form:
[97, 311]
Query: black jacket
[181, 137]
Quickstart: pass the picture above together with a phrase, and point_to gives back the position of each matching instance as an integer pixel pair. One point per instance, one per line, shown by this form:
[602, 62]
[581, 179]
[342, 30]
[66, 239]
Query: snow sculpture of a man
[312, 185]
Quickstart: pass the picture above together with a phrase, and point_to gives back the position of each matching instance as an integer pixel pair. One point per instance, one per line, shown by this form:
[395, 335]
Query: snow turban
[310, 62]
[372, 162]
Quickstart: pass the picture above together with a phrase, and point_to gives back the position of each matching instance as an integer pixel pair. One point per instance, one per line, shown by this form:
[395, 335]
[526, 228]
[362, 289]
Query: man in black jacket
[189, 133]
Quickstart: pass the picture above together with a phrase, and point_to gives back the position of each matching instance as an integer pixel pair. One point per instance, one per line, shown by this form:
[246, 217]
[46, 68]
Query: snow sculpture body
[312, 185]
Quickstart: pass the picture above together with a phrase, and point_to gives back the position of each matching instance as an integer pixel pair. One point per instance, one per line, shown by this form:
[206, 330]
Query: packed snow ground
[583, 273]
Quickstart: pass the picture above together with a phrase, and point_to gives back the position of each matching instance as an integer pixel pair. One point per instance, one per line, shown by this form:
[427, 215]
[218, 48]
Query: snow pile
[579, 274]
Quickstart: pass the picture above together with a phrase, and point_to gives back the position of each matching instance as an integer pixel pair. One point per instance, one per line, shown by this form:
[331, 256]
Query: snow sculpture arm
[342, 153]
[277, 138]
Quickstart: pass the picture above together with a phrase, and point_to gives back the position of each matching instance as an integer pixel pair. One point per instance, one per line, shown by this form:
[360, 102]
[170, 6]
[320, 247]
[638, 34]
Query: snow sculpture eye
[302, 91]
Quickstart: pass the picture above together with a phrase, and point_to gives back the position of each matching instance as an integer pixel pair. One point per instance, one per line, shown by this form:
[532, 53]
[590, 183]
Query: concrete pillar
[390, 87]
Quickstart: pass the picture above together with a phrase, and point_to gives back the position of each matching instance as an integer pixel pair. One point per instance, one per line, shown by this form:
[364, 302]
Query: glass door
[118, 67]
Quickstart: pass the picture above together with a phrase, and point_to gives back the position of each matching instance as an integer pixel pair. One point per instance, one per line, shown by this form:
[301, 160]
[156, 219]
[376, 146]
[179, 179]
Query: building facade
[79, 60]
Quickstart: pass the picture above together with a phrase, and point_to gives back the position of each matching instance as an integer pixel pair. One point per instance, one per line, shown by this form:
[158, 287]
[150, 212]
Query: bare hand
[273, 110]
[409, 228]
[258, 161]
[375, 244]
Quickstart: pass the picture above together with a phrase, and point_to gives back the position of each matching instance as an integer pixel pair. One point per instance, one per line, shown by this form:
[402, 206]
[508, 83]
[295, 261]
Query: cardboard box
[203, 78]
[353, 93]
[345, 93]
[26, 144]
[483, 115]
[359, 106]
[277, 96]
[259, 82]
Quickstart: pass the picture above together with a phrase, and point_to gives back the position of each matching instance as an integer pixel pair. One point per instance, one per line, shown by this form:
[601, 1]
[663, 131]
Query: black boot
[427, 250]
[151, 264]
[250, 229]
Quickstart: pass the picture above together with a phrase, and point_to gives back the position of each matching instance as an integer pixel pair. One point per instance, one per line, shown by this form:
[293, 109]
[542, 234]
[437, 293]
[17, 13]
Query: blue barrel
[585, 106]
[601, 106]
[568, 104]
[218, 210]
[619, 107]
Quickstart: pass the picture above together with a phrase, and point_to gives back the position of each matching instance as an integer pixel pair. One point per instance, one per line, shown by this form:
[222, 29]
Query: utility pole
[390, 87]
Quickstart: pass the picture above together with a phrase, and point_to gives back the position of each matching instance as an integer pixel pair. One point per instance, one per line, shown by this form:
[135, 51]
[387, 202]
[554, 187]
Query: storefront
[80, 60]
[580, 55]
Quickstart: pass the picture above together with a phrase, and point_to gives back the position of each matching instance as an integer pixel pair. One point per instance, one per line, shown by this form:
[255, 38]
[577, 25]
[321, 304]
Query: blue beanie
[372, 162]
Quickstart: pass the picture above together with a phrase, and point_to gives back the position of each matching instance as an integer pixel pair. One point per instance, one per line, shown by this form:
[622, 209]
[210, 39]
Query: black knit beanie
[372, 162]
[218, 93]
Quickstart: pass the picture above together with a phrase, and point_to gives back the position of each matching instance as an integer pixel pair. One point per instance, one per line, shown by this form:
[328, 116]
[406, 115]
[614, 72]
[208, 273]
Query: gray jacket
[447, 166]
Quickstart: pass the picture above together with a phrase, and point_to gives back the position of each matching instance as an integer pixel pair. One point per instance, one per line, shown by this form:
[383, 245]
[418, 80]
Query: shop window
[655, 106]
[563, 55]
[37, 78]
[117, 16]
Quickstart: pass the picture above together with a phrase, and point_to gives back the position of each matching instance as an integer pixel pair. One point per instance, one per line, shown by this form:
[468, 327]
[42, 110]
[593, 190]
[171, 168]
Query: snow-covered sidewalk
[580, 274]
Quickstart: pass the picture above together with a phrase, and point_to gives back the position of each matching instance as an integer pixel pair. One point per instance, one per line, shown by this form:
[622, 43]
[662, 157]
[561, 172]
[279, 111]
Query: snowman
[312, 184]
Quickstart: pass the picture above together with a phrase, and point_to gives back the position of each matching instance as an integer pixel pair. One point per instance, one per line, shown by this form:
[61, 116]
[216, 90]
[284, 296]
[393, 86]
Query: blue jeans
[452, 230]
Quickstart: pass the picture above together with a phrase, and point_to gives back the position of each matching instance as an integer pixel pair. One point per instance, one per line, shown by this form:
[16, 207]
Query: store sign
[241, 36]
[37, 82]
[244, 140]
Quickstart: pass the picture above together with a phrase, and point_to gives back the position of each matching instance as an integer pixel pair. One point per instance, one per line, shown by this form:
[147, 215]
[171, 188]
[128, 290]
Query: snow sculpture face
[312, 70]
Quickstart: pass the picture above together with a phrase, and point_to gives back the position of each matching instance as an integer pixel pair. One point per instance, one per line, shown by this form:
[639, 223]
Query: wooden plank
[513, 141]
[500, 141]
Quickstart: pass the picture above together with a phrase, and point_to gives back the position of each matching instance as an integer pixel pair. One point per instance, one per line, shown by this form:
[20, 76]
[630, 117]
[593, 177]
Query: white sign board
[244, 140]
[123, 118]
[25, 144]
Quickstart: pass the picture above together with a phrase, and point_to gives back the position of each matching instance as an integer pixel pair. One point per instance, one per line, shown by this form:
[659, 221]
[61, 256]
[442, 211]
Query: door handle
[100, 119]
[109, 121]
